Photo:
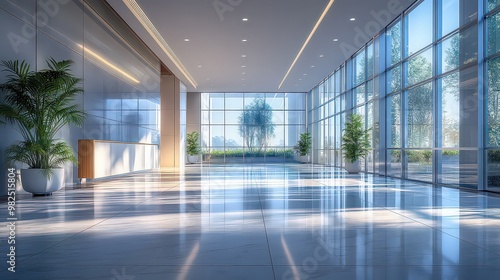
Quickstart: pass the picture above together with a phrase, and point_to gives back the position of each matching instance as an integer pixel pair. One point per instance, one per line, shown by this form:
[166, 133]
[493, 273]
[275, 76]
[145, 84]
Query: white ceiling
[275, 30]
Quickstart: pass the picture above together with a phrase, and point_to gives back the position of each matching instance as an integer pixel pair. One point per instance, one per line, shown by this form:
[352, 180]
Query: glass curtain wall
[251, 127]
[492, 95]
[416, 86]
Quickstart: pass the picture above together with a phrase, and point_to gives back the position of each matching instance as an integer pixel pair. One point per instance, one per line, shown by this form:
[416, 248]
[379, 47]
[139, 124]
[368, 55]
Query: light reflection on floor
[256, 222]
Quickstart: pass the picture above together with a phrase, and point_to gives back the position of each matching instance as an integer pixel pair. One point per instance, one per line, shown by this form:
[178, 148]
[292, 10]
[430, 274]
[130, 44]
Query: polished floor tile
[256, 222]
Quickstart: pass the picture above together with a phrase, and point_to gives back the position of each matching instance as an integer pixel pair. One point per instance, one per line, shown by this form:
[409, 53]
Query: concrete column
[193, 112]
[171, 151]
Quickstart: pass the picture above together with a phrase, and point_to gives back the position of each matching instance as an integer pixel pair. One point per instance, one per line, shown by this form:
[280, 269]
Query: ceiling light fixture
[244, 19]
[186, 40]
[199, 66]
[149, 26]
[325, 11]
[335, 40]
[243, 55]
[321, 55]
[352, 19]
[244, 40]
[243, 66]
[109, 64]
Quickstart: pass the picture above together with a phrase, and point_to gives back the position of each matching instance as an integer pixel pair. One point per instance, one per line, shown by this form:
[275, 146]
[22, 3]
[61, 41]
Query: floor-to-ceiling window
[251, 127]
[416, 86]
[493, 95]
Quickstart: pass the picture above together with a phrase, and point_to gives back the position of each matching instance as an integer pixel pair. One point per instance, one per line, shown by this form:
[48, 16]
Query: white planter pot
[193, 159]
[304, 159]
[353, 167]
[35, 182]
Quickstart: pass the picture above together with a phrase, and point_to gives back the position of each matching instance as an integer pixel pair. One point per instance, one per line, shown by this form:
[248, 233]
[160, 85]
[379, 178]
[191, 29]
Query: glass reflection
[419, 115]
[420, 27]
[253, 127]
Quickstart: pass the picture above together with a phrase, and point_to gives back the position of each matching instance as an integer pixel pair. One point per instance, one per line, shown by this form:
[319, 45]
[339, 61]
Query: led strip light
[109, 64]
[307, 40]
[149, 26]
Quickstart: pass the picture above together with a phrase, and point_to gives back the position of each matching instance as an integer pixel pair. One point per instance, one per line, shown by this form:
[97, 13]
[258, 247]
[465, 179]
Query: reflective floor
[256, 222]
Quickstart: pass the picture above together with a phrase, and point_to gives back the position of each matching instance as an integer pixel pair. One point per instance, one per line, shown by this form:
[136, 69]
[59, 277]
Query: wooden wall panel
[86, 159]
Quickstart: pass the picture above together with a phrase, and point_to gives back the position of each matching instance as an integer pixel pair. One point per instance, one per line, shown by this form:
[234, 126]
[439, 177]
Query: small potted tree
[303, 147]
[193, 146]
[355, 143]
[37, 105]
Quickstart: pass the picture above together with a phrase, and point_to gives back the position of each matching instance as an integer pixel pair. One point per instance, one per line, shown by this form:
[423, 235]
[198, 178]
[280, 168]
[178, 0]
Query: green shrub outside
[419, 156]
[286, 153]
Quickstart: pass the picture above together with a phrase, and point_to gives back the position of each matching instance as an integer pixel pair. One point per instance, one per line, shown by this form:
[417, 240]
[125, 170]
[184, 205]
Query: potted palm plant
[193, 146]
[355, 143]
[37, 105]
[303, 146]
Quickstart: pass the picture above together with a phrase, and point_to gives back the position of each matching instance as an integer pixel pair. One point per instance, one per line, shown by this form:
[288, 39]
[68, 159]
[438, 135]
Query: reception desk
[100, 158]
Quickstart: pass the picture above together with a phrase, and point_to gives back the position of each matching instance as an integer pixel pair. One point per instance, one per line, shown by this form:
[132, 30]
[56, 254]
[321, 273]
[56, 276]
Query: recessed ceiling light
[199, 66]
[244, 19]
[300, 79]
[304, 74]
[186, 40]
[208, 79]
[244, 40]
[352, 19]
[312, 66]
[243, 73]
[321, 55]
[243, 55]
[243, 66]
[335, 40]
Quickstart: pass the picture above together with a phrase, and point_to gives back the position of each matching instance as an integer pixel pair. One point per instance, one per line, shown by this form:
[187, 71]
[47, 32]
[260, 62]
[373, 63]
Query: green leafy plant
[494, 156]
[193, 146]
[450, 153]
[355, 141]
[419, 156]
[37, 105]
[304, 144]
[256, 124]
